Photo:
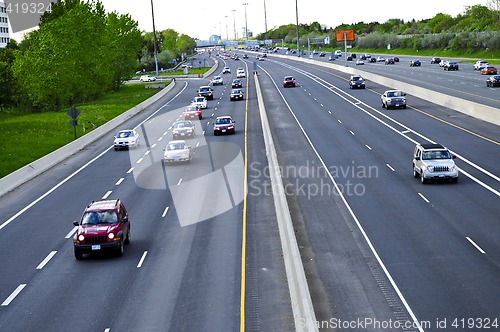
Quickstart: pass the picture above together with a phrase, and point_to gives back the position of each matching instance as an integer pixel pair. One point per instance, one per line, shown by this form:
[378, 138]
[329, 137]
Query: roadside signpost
[73, 114]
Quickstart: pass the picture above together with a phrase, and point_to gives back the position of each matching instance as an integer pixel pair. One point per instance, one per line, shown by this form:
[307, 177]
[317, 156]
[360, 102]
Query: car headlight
[452, 167]
[111, 236]
[430, 168]
[81, 237]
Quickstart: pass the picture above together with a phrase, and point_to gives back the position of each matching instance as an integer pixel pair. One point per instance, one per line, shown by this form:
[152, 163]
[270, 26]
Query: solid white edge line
[164, 212]
[142, 259]
[119, 181]
[70, 234]
[13, 295]
[475, 245]
[46, 260]
[358, 224]
[106, 195]
[423, 197]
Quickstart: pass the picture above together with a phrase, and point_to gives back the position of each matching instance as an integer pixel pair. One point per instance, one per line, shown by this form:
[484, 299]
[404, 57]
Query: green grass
[27, 137]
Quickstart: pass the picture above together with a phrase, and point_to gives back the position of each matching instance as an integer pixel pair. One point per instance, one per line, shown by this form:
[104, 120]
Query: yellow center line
[244, 220]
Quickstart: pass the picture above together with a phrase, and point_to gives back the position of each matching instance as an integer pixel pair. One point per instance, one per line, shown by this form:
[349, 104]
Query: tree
[124, 42]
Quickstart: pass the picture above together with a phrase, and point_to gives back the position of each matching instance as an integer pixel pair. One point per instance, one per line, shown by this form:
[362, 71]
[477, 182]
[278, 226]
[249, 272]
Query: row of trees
[476, 29]
[78, 53]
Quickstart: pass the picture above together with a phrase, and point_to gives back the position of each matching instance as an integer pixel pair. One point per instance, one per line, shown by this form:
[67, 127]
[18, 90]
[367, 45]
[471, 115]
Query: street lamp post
[154, 37]
[246, 26]
[297, 18]
[265, 22]
[227, 33]
[234, 22]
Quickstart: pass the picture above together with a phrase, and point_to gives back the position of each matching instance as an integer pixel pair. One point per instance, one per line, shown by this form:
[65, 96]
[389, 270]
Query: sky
[203, 18]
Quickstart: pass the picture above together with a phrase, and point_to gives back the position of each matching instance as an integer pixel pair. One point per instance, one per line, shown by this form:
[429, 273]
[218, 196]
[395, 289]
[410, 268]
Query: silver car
[434, 162]
[177, 151]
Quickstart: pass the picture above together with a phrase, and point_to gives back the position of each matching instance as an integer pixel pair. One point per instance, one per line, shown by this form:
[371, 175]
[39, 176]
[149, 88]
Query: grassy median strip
[27, 137]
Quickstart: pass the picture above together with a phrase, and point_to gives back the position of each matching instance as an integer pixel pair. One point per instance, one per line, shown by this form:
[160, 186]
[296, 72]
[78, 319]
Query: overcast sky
[202, 18]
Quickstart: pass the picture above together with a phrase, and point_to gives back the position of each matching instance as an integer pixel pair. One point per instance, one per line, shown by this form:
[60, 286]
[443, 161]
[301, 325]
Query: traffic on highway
[170, 222]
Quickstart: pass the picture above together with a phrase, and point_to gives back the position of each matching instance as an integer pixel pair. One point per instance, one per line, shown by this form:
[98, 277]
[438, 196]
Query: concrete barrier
[479, 111]
[303, 310]
[28, 172]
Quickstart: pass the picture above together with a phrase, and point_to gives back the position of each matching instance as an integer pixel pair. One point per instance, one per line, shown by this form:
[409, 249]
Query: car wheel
[127, 239]
[78, 254]
[422, 178]
[215, 133]
[119, 251]
[387, 107]
[404, 106]
[415, 173]
[383, 105]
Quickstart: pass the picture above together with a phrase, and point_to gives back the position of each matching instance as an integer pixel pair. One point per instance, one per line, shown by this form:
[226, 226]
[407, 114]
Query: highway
[376, 244]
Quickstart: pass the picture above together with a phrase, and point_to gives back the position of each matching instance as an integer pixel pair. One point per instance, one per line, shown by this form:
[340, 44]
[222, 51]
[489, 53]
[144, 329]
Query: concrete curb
[28, 172]
[303, 311]
[476, 110]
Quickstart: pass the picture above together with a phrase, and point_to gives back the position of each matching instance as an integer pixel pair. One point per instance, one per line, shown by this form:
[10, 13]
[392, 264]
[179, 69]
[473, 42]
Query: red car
[489, 70]
[104, 226]
[224, 125]
[193, 112]
[288, 81]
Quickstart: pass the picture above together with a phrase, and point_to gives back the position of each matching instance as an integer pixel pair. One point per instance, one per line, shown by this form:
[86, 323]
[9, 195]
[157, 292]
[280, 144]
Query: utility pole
[265, 22]
[297, 18]
[227, 33]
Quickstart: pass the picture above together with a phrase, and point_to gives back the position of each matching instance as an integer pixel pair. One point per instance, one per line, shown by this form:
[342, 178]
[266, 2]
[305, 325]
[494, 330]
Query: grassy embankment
[27, 137]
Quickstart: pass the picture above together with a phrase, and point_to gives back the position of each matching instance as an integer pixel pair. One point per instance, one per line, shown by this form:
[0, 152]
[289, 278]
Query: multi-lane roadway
[378, 247]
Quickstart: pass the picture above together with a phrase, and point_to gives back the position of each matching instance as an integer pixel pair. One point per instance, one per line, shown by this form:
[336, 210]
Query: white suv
[240, 73]
[434, 162]
[480, 64]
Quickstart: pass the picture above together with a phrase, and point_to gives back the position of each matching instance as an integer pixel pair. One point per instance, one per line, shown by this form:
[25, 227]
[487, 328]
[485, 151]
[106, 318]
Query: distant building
[4, 26]
[214, 40]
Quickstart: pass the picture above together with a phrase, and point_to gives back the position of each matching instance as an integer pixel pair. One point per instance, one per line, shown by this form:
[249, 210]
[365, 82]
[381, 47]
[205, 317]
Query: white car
[480, 64]
[201, 102]
[125, 139]
[147, 78]
[226, 70]
[338, 53]
[380, 59]
[360, 62]
[240, 73]
[177, 151]
[218, 80]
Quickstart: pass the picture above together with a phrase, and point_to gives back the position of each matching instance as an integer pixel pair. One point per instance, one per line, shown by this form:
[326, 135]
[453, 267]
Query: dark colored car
[182, 129]
[349, 58]
[436, 60]
[206, 91]
[356, 82]
[288, 81]
[493, 81]
[372, 59]
[224, 125]
[236, 83]
[322, 54]
[104, 225]
[236, 94]
[415, 63]
[389, 61]
[450, 65]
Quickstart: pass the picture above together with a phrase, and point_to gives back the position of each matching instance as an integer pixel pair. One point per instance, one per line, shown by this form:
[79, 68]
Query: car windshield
[182, 125]
[236, 91]
[124, 134]
[199, 99]
[289, 78]
[223, 121]
[394, 94]
[356, 78]
[175, 146]
[99, 217]
[428, 155]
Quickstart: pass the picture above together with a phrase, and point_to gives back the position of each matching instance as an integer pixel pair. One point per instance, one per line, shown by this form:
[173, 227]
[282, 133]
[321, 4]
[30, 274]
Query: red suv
[104, 226]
